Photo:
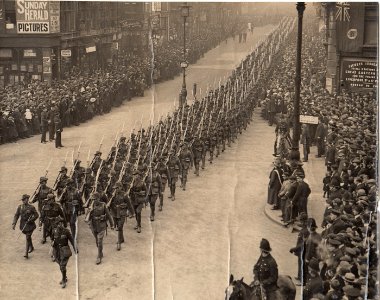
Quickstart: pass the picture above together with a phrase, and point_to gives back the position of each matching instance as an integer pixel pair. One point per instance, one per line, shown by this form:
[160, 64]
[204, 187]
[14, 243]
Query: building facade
[43, 40]
[351, 34]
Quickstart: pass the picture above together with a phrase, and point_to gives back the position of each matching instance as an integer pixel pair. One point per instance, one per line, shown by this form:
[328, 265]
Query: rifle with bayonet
[58, 179]
[37, 190]
[93, 189]
[93, 159]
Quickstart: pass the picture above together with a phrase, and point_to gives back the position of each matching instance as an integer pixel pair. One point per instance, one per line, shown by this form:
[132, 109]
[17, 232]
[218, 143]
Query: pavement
[211, 230]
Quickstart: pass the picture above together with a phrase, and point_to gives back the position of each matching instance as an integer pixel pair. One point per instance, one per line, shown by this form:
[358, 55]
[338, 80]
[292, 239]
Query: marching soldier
[87, 185]
[61, 181]
[61, 248]
[198, 150]
[28, 215]
[162, 169]
[187, 160]
[155, 190]
[138, 197]
[50, 211]
[119, 203]
[97, 218]
[71, 202]
[175, 168]
[96, 162]
[206, 142]
[42, 193]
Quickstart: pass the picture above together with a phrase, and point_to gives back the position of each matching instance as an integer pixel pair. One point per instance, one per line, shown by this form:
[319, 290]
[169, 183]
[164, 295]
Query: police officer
[175, 168]
[138, 195]
[28, 215]
[119, 204]
[265, 271]
[187, 160]
[42, 193]
[98, 217]
[154, 190]
[50, 211]
[61, 248]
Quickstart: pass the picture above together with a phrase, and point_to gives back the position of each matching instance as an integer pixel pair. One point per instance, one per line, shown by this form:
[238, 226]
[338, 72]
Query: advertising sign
[359, 74]
[30, 53]
[308, 119]
[90, 49]
[66, 53]
[37, 17]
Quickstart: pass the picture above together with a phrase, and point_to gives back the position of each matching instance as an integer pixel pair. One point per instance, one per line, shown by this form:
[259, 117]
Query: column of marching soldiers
[138, 167]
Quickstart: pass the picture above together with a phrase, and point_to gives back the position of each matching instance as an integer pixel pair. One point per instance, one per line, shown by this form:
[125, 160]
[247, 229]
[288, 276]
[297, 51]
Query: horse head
[236, 290]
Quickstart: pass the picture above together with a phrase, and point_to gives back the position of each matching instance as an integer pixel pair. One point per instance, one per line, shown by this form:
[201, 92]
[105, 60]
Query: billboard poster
[359, 74]
[37, 17]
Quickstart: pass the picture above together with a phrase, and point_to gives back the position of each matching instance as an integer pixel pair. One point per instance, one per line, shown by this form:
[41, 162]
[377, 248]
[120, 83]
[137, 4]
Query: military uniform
[42, 193]
[28, 215]
[138, 195]
[120, 203]
[174, 168]
[164, 173]
[154, 191]
[49, 213]
[61, 181]
[198, 150]
[71, 202]
[61, 248]
[98, 217]
[187, 160]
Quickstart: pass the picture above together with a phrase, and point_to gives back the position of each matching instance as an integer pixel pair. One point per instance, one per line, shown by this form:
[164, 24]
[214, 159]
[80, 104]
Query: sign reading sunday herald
[37, 17]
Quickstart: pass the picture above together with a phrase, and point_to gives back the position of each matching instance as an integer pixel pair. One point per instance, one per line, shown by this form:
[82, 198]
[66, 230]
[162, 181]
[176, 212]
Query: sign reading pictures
[308, 119]
[37, 17]
[359, 74]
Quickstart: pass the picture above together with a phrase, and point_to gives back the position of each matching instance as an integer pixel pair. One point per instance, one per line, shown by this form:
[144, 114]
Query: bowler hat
[311, 223]
[264, 245]
[314, 264]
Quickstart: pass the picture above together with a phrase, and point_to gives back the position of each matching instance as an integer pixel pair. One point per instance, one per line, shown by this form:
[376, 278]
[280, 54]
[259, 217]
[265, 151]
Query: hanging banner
[37, 17]
[349, 26]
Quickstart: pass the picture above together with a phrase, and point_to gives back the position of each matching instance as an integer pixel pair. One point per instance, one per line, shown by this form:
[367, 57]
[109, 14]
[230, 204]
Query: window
[371, 23]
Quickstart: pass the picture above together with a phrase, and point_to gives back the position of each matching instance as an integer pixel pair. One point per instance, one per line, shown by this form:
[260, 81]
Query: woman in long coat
[275, 183]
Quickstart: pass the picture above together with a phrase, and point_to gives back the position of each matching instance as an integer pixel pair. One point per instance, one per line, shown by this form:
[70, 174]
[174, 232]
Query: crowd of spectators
[337, 259]
[82, 95]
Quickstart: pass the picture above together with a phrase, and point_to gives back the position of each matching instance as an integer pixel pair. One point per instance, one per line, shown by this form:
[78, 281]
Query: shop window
[371, 24]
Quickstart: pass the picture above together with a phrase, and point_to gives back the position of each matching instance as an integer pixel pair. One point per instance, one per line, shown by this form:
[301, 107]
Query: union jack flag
[342, 13]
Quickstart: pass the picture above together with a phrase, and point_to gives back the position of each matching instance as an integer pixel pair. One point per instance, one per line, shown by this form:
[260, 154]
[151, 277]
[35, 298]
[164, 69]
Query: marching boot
[120, 236]
[26, 250]
[139, 229]
[64, 279]
[30, 248]
[118, 246]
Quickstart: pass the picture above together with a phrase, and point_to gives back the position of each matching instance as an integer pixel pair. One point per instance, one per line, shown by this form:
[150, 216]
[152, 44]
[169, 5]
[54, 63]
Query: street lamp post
[185, 14]
[295, 153]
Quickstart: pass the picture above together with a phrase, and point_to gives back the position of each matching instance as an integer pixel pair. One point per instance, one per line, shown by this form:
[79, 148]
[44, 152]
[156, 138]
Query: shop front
[22, 60]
